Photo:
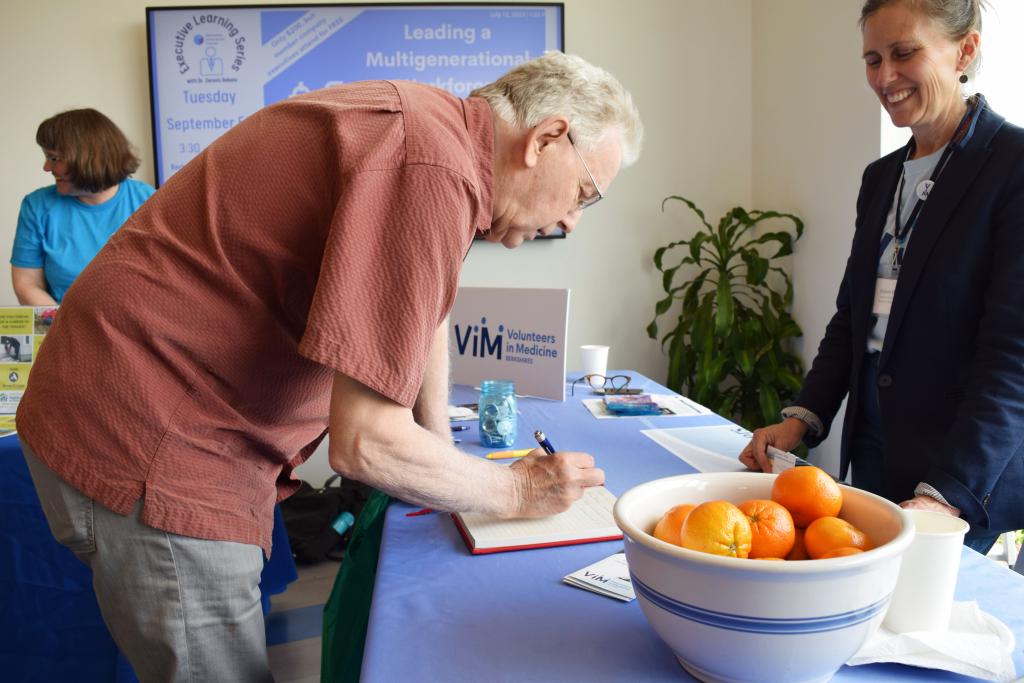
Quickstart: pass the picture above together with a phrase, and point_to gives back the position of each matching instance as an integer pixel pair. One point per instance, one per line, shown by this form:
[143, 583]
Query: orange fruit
[840, 552]
[828, 533]
[799, 551]
[808, 493]
[668, 526]
[717, 527]
[771, 528]
[777, 559]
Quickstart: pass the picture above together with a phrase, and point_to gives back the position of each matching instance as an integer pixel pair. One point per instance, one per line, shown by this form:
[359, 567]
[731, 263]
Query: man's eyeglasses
[594, 198]
[616, 384]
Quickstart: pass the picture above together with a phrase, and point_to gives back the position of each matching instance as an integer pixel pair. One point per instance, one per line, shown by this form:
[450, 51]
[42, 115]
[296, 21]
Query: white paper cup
[595, 360]
[923, 596]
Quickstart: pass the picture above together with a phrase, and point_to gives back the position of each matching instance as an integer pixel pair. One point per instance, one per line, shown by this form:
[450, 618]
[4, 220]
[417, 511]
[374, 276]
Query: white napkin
[976, 644]
[461, 414]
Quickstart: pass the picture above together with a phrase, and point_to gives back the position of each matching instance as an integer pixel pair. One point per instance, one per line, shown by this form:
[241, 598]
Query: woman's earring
[963, 78]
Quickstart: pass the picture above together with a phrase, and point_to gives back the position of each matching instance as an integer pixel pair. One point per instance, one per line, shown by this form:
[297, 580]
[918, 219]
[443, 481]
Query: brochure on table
[22, 329]
[609, 577]
[510, 334]
[707, 449]
[667, 404]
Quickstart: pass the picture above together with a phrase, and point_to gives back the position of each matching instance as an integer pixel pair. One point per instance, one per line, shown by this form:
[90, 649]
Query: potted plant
[727, 345]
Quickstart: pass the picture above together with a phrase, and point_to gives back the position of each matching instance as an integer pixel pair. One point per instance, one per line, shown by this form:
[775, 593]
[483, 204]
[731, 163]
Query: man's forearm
[431, 409]
[379, 443]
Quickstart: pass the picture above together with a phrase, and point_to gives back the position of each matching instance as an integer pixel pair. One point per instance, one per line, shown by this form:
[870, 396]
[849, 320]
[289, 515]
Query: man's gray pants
[180, 608]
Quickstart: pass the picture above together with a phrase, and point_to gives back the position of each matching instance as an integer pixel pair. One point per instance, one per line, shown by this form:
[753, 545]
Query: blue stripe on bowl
[737, 622]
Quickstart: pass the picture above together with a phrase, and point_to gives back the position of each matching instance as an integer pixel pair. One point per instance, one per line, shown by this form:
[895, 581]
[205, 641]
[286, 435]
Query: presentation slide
[211, 67]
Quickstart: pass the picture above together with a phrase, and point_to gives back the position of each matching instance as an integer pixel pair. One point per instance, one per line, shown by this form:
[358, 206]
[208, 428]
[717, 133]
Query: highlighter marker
[500, 455]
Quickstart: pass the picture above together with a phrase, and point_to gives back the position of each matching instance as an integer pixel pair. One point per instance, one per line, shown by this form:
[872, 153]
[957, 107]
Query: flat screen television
[210, 67]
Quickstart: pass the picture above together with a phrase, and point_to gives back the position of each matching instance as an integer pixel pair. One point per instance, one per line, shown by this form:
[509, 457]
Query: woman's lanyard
[901, 230]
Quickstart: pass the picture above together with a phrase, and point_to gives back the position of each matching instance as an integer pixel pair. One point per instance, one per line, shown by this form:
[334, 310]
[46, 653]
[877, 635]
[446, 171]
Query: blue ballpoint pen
[544, 443]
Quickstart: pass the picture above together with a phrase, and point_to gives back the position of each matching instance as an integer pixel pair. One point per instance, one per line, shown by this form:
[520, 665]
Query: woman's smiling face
[913, 67]
[59, 168]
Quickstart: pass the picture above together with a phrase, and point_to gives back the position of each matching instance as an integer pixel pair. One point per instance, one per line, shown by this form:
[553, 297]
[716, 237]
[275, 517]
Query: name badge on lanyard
[885, 290]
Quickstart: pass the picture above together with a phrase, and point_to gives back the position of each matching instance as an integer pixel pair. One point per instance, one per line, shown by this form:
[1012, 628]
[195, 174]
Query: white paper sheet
[706, 449]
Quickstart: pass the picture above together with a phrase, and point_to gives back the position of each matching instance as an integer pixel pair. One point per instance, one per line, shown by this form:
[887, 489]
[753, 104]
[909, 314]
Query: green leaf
[771, 323]
[693, 207]
[693, 291]
[666, 278]
[787, 298]
[784, 239]
[724, 224]
[663, 305]
[790, 381]
[724, 316]
[770, 405]
[676, 357]
[758, 216]
[746, 361]
[695, 244]
[789, 329]
[727, 407]
[757, 267]
[703, 325]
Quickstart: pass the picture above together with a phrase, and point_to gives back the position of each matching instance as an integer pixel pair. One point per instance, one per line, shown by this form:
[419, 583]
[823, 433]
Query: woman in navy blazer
[928, 335]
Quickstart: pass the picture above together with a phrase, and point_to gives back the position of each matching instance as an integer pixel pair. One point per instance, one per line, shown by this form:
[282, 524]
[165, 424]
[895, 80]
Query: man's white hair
[560, 84]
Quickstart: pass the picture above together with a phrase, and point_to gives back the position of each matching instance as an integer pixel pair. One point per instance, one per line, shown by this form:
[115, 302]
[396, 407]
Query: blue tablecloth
[50, 625]
[440, 614]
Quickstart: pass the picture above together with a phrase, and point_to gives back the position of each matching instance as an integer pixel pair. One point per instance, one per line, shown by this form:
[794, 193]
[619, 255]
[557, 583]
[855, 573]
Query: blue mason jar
[498, 416]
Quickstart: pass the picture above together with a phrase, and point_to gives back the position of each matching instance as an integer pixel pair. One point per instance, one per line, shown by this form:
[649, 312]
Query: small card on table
[609, 577]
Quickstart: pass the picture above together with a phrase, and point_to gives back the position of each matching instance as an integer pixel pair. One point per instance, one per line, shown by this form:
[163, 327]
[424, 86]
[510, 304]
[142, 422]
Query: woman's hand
[930, 504]
[784, 436]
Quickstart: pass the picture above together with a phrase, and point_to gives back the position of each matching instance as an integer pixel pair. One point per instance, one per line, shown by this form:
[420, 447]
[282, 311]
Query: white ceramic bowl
[730, 619]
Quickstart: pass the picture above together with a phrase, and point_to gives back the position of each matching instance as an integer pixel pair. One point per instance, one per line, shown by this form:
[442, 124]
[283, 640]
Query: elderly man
[293, 277]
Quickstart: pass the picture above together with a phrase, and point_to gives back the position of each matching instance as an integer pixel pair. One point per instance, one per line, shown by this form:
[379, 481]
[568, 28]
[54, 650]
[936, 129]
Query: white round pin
[924, 188]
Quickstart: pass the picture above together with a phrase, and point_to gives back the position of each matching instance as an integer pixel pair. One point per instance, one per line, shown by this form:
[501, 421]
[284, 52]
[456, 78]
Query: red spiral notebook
[589, 520]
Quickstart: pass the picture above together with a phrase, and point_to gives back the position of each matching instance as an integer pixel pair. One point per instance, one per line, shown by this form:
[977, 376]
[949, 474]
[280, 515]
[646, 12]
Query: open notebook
[588, 520]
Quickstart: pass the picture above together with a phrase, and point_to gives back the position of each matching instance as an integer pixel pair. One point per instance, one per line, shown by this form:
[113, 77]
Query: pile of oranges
[800, 522]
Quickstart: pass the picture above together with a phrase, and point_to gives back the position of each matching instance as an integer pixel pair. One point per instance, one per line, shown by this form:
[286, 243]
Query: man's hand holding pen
[548, 482]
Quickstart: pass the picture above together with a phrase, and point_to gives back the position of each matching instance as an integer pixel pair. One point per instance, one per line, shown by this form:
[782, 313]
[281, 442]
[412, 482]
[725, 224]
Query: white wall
[816, 127]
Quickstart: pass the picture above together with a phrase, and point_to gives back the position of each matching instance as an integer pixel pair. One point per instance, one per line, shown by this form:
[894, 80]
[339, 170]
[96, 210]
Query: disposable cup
[595, 360]
[923, 597]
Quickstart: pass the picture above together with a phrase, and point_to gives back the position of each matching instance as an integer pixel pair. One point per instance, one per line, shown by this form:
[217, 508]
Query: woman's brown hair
[98, 154]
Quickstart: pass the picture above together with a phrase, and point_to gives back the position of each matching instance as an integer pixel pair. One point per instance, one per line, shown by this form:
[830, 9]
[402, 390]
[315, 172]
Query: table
[440, 614]
[50, 624]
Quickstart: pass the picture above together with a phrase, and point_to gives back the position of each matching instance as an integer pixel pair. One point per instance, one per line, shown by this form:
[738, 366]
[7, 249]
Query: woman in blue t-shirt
[62, 227]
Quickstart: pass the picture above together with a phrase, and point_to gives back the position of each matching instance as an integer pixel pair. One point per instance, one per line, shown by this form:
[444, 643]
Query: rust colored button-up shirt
[191, 362]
